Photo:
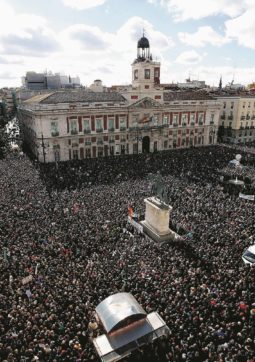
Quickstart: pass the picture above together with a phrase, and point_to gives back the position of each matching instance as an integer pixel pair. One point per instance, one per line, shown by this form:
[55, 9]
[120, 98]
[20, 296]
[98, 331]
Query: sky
[97, 39]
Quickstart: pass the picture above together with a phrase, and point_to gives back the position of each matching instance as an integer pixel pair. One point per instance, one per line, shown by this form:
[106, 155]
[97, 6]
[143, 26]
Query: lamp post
[43, 147]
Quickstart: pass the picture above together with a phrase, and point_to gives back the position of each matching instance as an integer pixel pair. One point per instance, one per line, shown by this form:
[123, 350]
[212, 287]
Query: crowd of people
[66, 245]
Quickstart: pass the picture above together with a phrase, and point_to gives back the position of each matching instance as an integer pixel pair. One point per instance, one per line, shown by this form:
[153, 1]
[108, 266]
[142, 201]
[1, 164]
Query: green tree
[4, 143]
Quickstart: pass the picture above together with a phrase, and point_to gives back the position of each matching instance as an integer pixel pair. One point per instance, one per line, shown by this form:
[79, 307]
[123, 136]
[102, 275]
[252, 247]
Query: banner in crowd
[246, 197]
[27, 279]
[138, 226]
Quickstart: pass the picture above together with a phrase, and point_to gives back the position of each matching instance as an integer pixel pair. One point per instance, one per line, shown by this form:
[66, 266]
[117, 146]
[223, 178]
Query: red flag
[130, 211]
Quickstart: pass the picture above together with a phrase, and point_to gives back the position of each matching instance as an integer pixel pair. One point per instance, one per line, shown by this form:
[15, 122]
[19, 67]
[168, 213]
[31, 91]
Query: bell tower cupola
[143, 49]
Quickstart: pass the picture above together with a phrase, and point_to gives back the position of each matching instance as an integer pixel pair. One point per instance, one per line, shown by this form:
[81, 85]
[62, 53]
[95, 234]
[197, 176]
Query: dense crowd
[66, 245]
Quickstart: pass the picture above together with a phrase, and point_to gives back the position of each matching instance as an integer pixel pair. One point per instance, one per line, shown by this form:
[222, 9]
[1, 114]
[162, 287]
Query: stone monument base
[156, 223]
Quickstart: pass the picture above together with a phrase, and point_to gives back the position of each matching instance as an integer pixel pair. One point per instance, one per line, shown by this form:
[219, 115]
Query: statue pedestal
[156, 223]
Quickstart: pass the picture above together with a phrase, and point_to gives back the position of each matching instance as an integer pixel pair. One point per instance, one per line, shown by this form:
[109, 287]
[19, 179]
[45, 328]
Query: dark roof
[81, 96]
[143, 43]
[183, 96]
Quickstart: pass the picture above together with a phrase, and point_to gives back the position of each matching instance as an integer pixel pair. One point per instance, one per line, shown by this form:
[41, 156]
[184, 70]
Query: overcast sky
[93, 39]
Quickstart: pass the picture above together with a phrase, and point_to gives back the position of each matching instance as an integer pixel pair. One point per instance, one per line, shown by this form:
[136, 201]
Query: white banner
[138, 226]
[246, 197]
[27, 279]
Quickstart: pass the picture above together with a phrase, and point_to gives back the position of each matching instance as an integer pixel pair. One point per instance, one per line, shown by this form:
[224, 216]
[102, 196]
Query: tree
[4, 143]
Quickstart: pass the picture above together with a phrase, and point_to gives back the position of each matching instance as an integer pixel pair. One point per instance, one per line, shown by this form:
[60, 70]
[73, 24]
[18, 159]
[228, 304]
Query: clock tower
[145, 71]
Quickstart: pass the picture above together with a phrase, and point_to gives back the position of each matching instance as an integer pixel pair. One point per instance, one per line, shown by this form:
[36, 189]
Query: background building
[42, 81]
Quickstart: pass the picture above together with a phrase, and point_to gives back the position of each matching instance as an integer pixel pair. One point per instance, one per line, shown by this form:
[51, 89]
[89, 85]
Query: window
[86, 125]
[57, 155]
[134, 120]
[175, 118]
[201, 118]
[232, 105]
[74, 128]
[100, 152]
[156, 73]
[184, 119]
[122, 149]
[192, 118]
[155, 119]
[224, 104]
[75, 154]
[54, 128]
[87, 152]
[146, 73]
[136, 74]
[244, 104]
[165, 144]
[111, 124]
[165, 119]
[212, 118]
[117, 149]
[122, 123]
[99, 126]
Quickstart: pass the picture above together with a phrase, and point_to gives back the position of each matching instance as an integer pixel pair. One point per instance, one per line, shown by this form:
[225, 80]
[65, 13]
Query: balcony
[251, 127]
[123, 128]
[211, 122]
[100, 142]
[87, 131]
[111, 129]
[87, 143]
[192, 124]
[111, 141]
[54, 134]
[241, 127]
[242, 117]
[99, 130]
[230, 117]
[201, 123]
[248, 117]
[74, 131]
[247, 127]
[223, 116]
[175, 124]
[184, 124]
[123, 140]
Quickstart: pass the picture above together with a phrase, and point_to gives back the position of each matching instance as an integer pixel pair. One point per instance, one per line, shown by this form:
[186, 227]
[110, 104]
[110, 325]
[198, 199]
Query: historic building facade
[142, 117]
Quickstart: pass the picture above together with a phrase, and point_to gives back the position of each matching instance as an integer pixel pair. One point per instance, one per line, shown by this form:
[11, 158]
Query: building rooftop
[82, 96]
[190, 95]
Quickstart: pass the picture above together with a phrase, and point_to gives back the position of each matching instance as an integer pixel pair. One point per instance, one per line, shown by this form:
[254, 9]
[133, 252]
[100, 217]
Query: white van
[249, 255]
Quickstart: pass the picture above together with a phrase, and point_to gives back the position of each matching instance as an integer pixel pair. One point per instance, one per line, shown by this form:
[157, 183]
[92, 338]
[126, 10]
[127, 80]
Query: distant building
[141, 117]
[192, 84]
[35, 81]
[42, 81]
[97, 86]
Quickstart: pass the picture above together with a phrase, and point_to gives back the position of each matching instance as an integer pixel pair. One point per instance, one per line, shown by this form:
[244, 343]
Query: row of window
[244, 104]
[147, 118]
[147, 73]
